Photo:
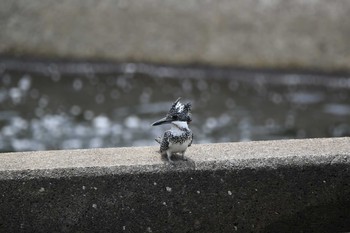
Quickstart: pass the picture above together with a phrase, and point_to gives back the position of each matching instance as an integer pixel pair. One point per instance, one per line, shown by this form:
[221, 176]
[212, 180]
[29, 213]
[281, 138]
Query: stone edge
[192, 164]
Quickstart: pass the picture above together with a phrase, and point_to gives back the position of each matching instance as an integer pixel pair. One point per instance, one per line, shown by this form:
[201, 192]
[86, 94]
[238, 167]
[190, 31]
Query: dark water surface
[63, 105]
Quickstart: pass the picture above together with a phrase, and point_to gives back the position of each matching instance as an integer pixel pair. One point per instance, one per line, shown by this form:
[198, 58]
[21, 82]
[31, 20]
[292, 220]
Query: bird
[179, 137]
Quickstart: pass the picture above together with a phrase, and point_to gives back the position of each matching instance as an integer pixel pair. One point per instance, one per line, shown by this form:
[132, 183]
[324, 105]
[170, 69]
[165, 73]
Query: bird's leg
[169, 156]
[183, 156]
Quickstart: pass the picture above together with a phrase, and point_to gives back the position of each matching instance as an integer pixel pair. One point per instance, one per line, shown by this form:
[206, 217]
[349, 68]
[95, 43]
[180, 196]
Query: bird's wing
[191, 140]
[158, 139]
[164, 145]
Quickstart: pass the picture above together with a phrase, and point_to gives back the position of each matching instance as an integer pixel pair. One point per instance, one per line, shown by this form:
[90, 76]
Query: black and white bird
[179, 137]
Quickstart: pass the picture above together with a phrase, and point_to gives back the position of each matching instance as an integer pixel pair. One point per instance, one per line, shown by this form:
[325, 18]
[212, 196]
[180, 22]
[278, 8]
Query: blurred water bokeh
[65, 105]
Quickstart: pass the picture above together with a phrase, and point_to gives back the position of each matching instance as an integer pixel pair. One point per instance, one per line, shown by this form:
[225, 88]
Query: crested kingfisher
[179, 137]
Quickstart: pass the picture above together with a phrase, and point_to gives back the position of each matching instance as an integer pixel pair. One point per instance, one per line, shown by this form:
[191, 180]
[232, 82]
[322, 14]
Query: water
[67, 105]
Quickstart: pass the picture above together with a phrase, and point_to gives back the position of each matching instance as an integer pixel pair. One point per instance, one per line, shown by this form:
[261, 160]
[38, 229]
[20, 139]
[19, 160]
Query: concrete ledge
[265, 154]
[271, 186]
[265, 33]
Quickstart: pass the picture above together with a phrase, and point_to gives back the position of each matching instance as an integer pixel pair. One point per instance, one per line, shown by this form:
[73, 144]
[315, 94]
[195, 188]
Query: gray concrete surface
[269, 186]
[264, 33]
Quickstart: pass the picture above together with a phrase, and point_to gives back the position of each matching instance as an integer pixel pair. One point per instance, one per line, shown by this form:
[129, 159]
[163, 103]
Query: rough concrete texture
[271, 186]
[264, 33]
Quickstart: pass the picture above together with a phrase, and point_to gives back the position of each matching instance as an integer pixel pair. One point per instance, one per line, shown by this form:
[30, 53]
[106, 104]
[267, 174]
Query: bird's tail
[158, 139]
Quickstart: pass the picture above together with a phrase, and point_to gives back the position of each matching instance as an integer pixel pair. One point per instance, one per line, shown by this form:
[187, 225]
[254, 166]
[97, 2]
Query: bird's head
[177, 112]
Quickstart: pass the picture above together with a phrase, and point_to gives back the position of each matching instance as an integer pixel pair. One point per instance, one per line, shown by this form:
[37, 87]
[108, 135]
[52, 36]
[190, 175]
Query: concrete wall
[272, 186]
[252, 33]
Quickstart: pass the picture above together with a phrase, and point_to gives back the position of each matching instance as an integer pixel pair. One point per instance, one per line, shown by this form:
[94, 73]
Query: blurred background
[98, 74]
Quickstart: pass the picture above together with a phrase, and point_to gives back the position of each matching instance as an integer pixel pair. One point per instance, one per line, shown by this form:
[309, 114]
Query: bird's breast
[178, 147]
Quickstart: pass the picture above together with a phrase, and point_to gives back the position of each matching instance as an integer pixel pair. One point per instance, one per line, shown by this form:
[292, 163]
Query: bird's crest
[179, 108]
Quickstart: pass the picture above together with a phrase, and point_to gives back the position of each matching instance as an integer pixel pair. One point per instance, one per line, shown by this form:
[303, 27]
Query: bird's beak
[162, 121]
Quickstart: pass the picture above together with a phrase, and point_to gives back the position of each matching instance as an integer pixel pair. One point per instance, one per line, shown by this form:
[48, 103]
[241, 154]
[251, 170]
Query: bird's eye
[174, 117]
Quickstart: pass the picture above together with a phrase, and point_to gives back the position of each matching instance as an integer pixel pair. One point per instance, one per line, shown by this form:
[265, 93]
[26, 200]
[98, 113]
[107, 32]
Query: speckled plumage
[180, 112]
[176, 140]
[179, 137]
[168, 137]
